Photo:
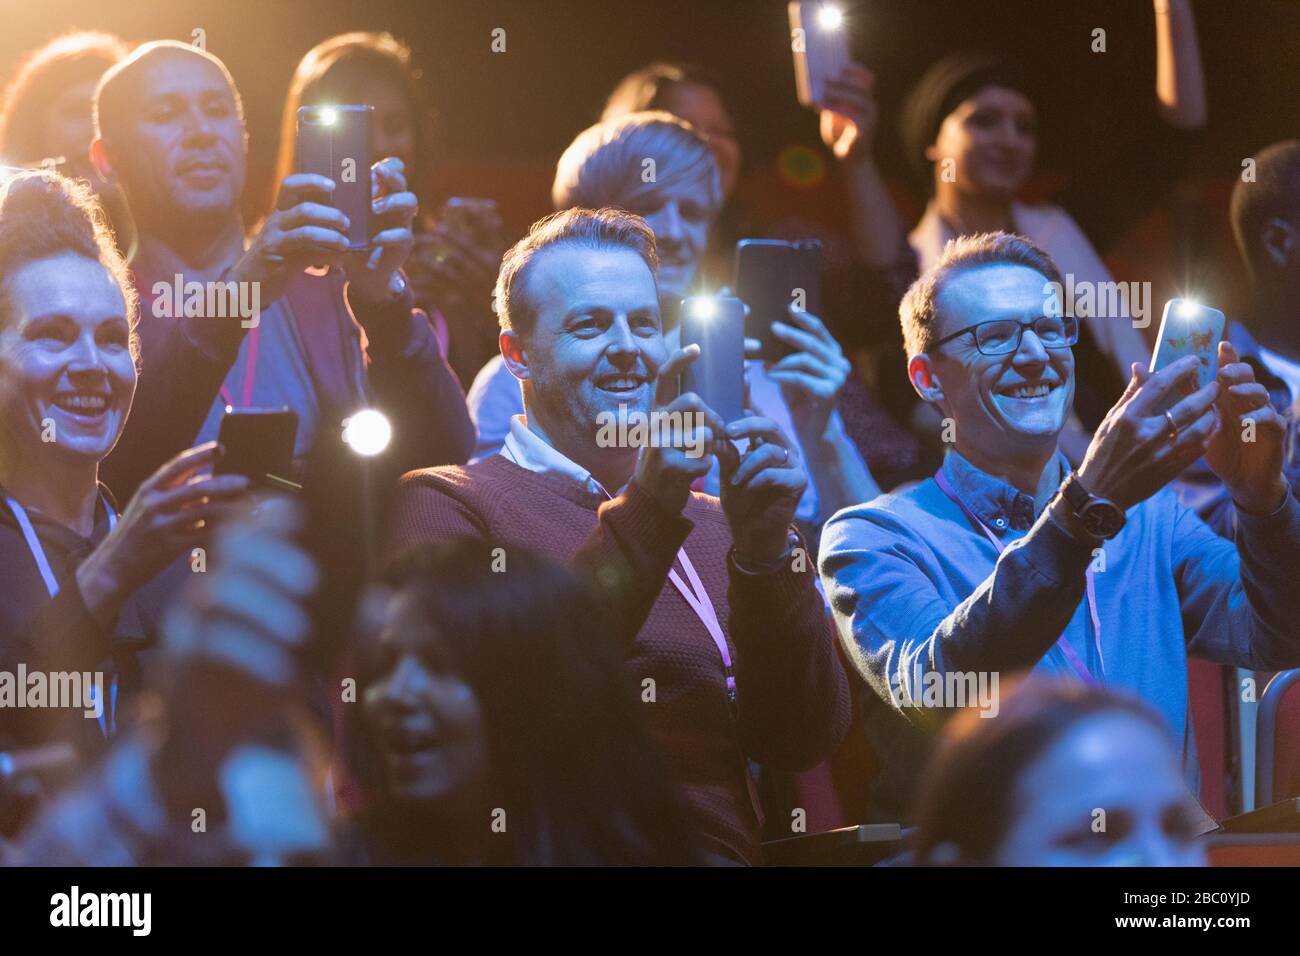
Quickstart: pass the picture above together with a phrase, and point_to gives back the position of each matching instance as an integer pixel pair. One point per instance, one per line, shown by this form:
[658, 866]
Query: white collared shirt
[533, 453]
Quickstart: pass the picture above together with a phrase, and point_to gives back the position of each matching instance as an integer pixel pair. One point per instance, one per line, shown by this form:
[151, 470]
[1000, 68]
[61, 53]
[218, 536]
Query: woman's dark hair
[968, 793]
[331, 70]
[579, 781]
[63, 62]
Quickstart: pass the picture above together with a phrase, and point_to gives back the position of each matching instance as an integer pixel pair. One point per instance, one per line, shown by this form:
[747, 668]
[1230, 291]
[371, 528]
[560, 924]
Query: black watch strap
[1101, 518]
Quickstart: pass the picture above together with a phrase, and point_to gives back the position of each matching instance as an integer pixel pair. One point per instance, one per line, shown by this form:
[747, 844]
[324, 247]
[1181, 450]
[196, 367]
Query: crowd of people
[972, 527]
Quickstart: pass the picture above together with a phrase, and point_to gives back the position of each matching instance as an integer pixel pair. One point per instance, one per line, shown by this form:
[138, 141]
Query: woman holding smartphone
[82, 589]
[456, 255]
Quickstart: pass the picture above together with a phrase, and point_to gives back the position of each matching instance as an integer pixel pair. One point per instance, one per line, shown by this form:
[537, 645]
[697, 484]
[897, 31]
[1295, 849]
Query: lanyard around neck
[250, 372]
[694, 592]
[1071, 655]
[108, 714]
[34, 543]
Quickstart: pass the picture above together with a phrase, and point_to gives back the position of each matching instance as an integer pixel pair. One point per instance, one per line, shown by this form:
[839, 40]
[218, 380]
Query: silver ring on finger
[1173, 426]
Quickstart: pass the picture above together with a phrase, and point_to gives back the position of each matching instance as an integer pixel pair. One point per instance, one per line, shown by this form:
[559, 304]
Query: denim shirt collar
[999, 505]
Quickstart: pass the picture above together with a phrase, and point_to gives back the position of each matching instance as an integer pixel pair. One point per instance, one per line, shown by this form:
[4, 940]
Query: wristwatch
[1102, 519]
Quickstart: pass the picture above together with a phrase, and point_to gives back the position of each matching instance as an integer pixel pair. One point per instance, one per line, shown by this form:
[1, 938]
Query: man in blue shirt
[1008, 562]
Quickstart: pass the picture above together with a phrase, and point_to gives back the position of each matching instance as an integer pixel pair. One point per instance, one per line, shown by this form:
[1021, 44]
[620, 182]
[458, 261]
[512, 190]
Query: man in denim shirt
[1007, 562]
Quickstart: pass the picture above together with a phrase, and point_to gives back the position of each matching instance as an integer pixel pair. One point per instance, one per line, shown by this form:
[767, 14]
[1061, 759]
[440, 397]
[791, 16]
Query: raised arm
[1180, 79]
[896, 625]
[848, 127]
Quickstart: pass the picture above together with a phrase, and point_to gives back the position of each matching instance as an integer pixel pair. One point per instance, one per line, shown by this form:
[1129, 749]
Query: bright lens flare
[829, 17]
[1188, 308]
[367, 432]
[328, 116]
[704, 308]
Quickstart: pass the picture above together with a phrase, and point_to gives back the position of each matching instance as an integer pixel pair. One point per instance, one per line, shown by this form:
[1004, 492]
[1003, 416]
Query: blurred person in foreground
[324, 342]
[1008, 559]
[714, 612]
[1064, 775]
[501, 727]
[224, 768]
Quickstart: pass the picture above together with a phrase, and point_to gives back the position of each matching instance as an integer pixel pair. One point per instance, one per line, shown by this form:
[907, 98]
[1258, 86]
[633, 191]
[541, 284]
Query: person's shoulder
[1050, 225]
[485, 471]
[1028, 215]
[493, 369]
[480, 488]
[901, 513]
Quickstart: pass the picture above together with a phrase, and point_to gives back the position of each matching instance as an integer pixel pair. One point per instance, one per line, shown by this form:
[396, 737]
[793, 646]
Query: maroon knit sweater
[792, 694]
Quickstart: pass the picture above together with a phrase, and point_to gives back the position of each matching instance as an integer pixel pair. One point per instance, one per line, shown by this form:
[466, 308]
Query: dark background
[503, 118]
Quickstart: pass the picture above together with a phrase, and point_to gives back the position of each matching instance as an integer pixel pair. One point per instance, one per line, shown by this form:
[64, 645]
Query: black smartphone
[258, 442]
[772, 275]
[334, 141]
[717, 325]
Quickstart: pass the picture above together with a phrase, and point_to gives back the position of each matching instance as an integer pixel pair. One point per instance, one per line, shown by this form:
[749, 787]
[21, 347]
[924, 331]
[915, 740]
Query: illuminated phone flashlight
[1188, 308]
[704, 308]
[327, 116]
[367, 432]
[829, 17]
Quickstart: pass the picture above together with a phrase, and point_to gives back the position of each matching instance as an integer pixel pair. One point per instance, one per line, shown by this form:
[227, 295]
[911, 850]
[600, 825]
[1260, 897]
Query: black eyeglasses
[1002, 336]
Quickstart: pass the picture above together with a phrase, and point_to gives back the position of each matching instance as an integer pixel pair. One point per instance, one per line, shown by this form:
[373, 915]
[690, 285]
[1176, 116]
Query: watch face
[1102, 519]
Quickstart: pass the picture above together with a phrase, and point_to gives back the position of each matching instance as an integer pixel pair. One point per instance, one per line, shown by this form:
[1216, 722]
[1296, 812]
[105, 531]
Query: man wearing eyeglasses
[1006, 561]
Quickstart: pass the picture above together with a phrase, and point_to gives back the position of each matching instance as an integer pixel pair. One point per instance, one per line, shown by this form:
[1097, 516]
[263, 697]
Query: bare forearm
[1180, 79]
[877, 226]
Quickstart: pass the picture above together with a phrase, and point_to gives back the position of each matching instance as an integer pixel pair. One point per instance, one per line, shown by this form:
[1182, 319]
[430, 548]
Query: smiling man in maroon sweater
[726, 634]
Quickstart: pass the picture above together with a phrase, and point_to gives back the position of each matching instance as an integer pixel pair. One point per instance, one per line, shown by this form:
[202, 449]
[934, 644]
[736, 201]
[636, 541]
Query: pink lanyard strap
[698, 598]
[1070, 654]
[700, 602]
[250, 372]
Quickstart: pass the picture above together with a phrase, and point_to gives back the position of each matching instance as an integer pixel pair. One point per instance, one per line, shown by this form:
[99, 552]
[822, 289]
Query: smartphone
[334, 141]
[1188, 328]
[772, 275]
[717, 325]
[821, 49]
[259, 443]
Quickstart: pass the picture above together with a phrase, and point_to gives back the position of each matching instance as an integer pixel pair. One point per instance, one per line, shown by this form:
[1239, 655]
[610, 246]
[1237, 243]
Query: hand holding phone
[1188, 328]
[334, 142]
